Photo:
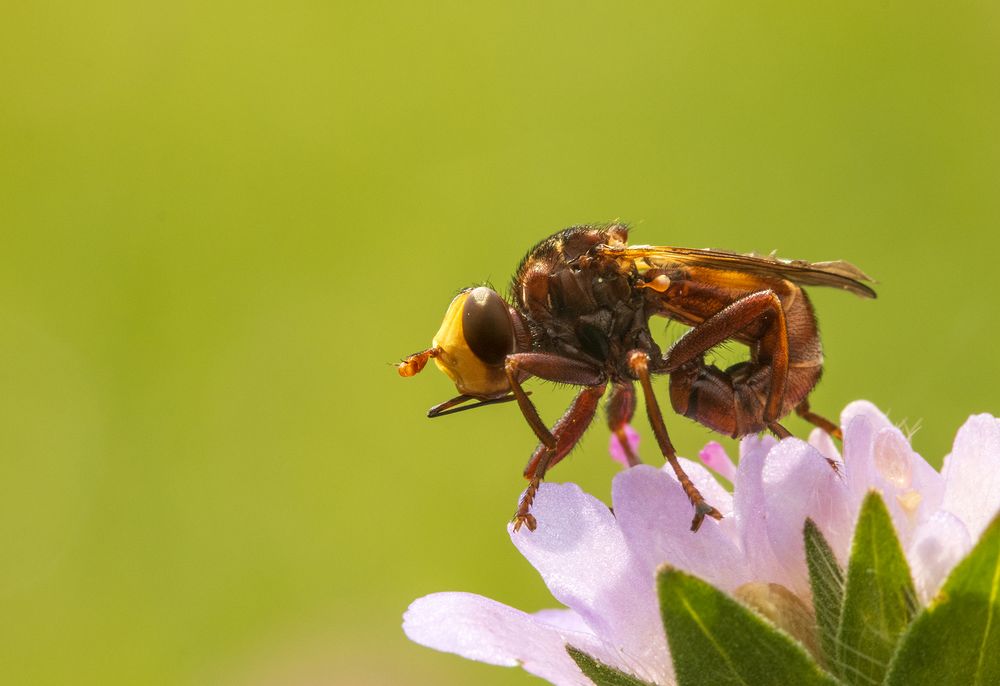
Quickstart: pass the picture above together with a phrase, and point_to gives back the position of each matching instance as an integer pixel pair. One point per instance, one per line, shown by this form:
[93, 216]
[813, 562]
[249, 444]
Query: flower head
[601, 565]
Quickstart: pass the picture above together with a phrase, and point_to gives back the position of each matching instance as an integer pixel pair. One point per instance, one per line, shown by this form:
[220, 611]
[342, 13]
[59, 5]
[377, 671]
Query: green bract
[879, 600]
[602, 674]
[956, 639]
[871, 628]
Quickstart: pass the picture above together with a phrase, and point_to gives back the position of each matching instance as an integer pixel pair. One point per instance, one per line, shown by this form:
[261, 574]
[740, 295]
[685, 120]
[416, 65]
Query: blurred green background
[222, 222]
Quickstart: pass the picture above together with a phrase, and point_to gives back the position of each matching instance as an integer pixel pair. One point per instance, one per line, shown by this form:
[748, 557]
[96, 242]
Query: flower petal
[581, 553]
[655, 516]
[972, 473]
[912, 488]
[861, 421]
[862, 408]
[750, 509]
[798, 482]
[563, 619]
[938, 545]
[757, 445]
[823, 442]
[715, 458]
[878, 456]
[714, 493]
[481, 629]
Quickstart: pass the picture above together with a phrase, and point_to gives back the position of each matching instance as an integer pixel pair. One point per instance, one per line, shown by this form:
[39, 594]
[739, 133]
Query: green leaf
[600, 673]
[827, 581]
[956, 639]
[879, 599]
[715, 640]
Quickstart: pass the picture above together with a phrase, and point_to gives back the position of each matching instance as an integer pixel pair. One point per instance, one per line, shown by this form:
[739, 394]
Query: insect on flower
[581, 304]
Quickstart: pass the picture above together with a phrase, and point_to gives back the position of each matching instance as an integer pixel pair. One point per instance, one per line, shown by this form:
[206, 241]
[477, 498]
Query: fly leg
[802, 410]
[639, 363]
[621, 407]
[733, 401]
[566, 433]
[558, 442]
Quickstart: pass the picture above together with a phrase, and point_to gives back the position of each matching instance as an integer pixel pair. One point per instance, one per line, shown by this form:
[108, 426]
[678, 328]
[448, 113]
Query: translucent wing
[836, 274]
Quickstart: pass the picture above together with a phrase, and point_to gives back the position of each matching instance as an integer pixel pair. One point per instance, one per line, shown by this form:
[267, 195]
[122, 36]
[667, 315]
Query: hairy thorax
[584, 306]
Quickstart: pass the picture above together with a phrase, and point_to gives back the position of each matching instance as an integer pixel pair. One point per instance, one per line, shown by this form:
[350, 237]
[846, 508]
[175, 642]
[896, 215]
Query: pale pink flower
[601, 566]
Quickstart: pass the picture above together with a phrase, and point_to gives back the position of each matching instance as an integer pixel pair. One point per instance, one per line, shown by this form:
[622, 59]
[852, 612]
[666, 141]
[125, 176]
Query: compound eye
[486, 325]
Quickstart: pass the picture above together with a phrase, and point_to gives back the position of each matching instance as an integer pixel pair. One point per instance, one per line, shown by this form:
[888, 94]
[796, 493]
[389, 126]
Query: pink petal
[757, 445]
[862, 408]
[800, 483]
[714, 493]
[715, 458]
[582, 555]
[911, 487]
[972, 473]
[795, 482]
[563, 620]
[878, 456]
[823, 442]
[929, 482]
[861, 421]
[938, 545]
[655, 516]
[750, 510]
[481, 629]
[615, 446]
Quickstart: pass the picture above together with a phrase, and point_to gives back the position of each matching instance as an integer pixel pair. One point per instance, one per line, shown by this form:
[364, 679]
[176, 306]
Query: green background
[221, 224]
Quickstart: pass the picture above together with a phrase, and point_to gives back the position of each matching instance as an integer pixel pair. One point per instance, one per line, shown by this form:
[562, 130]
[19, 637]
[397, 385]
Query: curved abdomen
[733, 401]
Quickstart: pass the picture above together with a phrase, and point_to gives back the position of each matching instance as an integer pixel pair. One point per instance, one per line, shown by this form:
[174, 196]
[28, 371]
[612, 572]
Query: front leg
[557, 443]
[568, 430]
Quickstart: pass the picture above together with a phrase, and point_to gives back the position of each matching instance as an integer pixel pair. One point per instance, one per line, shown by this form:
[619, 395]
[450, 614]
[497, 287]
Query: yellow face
[475, 337]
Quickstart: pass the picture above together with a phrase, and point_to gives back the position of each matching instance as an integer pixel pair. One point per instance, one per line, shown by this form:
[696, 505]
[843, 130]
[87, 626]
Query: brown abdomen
[732, 401]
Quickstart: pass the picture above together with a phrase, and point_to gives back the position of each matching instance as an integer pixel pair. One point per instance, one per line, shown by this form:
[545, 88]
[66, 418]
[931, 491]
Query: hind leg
[748, 397]
[802, 410]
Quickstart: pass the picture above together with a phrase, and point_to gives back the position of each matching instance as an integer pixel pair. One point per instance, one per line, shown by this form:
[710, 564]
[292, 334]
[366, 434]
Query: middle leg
[639, 363]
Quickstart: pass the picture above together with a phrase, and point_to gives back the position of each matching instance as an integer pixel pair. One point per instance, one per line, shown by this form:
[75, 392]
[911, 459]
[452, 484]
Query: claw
[700, 510]
[522, 519]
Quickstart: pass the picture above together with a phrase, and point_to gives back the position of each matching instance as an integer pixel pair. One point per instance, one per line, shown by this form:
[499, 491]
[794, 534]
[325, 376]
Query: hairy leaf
[600, 673]
[827, 581]
[879, 598]
[956, 639]
[715, 641]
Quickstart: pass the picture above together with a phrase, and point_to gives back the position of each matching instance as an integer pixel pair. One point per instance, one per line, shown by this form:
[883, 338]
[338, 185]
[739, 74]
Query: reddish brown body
[583, 300]
[734, 401]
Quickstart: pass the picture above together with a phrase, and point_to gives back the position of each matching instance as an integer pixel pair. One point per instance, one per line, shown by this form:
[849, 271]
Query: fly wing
[836, 274]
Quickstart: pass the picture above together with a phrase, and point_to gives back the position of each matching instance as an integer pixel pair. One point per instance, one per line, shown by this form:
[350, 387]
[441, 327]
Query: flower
[601, 565]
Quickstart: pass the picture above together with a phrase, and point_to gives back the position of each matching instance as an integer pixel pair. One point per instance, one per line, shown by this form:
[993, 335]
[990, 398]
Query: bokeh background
[221, 222]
